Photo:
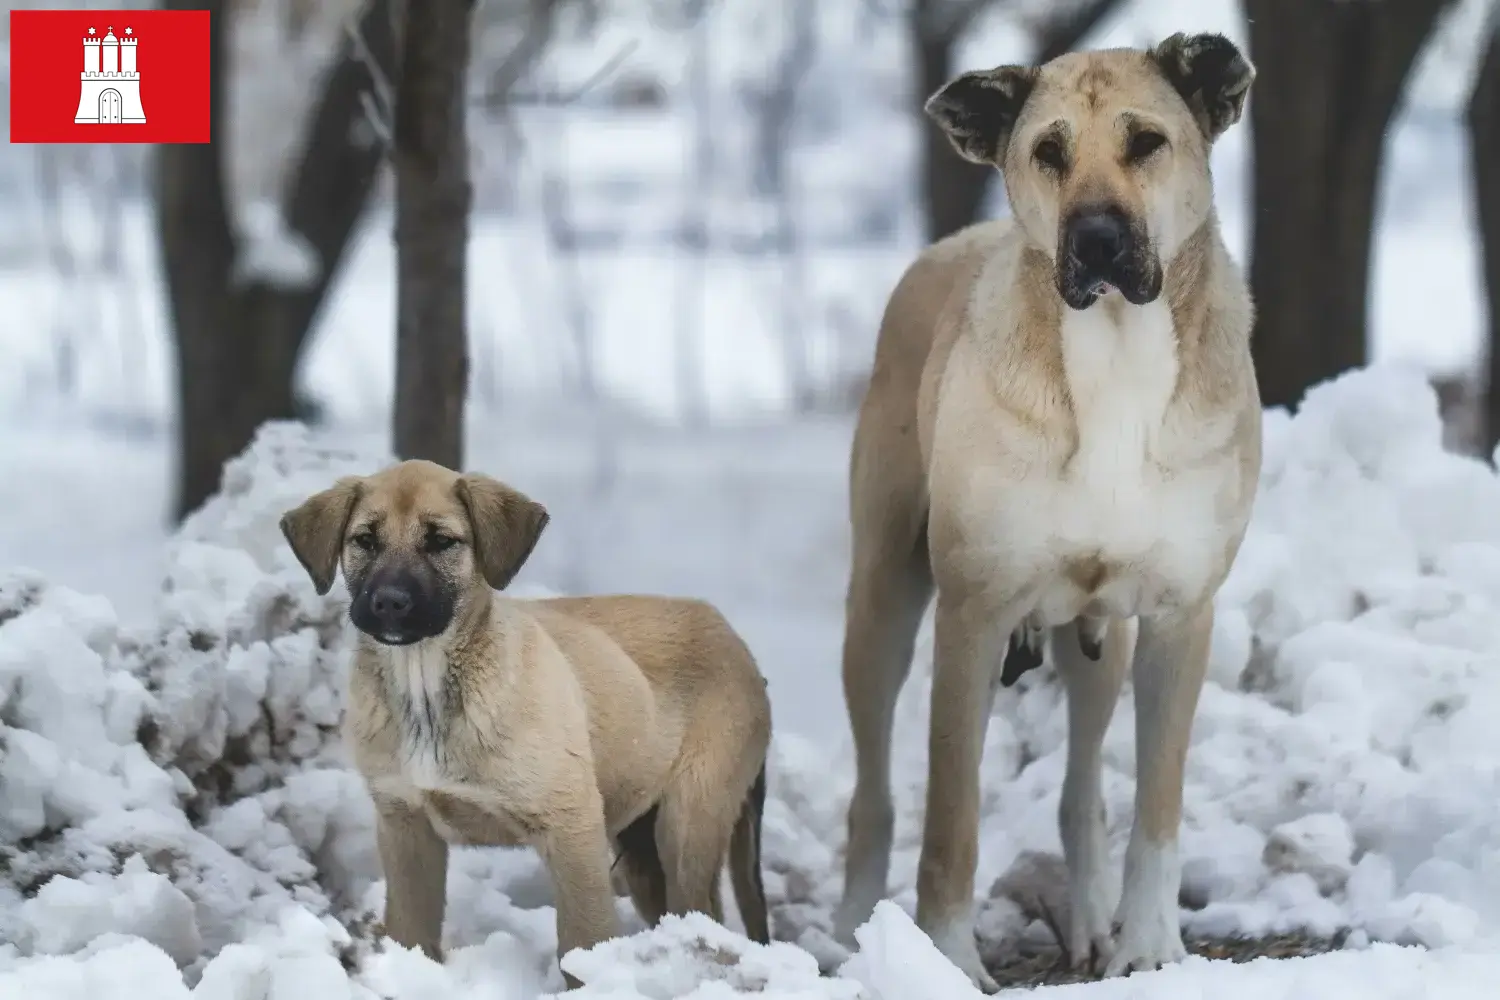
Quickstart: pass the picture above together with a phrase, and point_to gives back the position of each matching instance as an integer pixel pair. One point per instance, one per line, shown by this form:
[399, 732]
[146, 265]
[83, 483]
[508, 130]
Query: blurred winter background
[686, 215]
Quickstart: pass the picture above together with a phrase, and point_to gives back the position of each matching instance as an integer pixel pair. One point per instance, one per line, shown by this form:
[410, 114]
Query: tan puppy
[1062, 431]
[569, 725]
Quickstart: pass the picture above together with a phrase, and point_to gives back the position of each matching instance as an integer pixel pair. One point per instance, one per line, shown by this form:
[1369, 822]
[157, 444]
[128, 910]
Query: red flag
[109, 76]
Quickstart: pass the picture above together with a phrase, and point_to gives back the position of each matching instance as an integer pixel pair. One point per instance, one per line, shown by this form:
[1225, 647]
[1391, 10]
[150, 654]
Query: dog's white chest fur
[1122, 373]
[1124, 523]
[420, 676]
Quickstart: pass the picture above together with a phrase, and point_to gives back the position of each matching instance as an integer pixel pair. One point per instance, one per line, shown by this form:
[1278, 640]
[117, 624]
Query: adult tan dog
[1062, 431]
[563, 724]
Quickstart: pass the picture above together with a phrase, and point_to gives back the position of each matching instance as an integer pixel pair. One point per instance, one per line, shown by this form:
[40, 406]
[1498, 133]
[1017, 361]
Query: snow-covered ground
[176, 812]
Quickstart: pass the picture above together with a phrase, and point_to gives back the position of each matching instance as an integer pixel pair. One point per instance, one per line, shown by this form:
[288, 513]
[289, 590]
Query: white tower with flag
[111, 91]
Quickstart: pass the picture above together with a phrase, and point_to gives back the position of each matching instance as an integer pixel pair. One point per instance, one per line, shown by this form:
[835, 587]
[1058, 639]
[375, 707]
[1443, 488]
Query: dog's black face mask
[399, 601]
[1100, 248]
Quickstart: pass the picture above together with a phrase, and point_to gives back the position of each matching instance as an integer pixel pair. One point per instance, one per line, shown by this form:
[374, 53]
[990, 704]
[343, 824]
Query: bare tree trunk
[1330, 76]
[953, 189]
[433, 196]
[238, 342]
[1484, 152]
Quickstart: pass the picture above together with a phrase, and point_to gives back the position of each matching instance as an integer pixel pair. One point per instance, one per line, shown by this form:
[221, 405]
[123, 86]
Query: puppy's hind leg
[889, 588]
[744, 863]
[693, 830]
[640, 863]
[1093, 690]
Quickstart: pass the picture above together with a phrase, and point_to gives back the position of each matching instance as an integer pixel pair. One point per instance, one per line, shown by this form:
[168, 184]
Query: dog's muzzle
[1099, 250]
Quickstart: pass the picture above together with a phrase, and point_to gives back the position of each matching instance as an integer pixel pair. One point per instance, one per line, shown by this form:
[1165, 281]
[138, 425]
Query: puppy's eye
[1049, 153]
[366, 541]
[1143, 144]
[439, 543]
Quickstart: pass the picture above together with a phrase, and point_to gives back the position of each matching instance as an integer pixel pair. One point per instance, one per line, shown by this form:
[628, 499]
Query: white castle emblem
[111, 91]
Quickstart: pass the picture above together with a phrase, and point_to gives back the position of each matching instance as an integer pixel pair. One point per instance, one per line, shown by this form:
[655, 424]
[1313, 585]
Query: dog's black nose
[1097, 239]
[390, 604]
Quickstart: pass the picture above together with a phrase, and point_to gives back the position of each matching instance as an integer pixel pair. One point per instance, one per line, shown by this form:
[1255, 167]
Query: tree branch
[1062, 32]
[330, 185]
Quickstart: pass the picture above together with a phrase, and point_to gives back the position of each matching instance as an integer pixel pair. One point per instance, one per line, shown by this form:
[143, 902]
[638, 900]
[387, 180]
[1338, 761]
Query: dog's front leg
[1093, 682]
[1170, 662]
[970, 638]
[576, 851]
[415, 860]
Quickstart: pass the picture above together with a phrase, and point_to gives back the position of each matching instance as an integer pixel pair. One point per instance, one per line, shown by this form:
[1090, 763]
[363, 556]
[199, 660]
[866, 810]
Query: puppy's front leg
[415, 860]
[1170, 662]
[576, 850]
[970, 638]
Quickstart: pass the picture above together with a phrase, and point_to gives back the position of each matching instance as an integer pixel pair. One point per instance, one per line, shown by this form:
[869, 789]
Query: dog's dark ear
[1210, 74]
[977, 111]
[315, 530]
[507, 525]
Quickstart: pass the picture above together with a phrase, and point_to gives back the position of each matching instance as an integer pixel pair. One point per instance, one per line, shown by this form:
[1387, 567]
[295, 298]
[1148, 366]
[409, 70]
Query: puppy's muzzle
[1101, 249]
[391, 606]
[395, 610]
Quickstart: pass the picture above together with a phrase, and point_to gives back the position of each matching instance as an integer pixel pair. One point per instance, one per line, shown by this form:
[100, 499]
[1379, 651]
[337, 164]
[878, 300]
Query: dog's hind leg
[889, 588]
[1093, 690]
[1171, 661]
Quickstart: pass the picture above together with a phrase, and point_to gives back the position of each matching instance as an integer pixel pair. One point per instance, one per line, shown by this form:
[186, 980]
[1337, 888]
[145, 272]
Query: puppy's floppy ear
[507, 525]
[1210, 74]
[977, 111]
[315, 530]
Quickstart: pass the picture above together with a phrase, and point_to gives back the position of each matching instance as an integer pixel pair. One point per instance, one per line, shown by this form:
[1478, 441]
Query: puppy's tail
[744, 863]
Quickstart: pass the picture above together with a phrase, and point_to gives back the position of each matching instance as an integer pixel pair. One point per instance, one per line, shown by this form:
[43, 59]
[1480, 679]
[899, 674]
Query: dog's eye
[440, 543]
[1143, 144]
[1049, 153]
[366, 540]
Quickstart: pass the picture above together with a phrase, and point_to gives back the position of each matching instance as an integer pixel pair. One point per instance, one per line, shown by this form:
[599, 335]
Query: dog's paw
[957, 945]
[1091, 946]
[848, 918]
[1146, 948]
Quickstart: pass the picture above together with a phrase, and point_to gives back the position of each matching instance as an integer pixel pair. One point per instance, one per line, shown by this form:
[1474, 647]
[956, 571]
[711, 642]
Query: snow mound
[184, 783]
[177, 817]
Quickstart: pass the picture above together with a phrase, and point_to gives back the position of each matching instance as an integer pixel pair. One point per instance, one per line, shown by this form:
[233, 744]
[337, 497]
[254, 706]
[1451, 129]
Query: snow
[273, 253]
[177, 810]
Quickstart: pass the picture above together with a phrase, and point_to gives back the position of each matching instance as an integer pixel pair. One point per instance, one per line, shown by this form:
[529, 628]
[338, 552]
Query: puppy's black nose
[1097, 239]
[390, 604]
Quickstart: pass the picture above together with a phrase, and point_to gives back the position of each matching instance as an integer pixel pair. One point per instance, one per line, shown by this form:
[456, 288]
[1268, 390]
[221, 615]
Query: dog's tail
[744, 863]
